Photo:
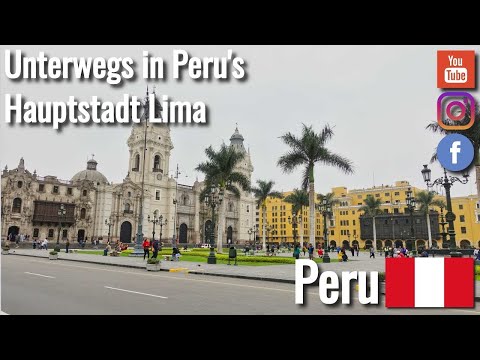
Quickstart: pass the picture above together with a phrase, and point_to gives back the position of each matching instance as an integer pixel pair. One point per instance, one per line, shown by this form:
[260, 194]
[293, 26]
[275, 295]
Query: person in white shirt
[45, 244]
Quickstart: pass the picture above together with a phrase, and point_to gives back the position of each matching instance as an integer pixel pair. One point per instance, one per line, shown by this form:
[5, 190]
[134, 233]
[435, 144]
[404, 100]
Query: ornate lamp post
[447, 183]
[252, 231]
[154, 221]
[442, 224]
[294, 220]
[61, 215]
[109, 223]
[268, 228]
[326, 210]
[213, 198]
[411, 209]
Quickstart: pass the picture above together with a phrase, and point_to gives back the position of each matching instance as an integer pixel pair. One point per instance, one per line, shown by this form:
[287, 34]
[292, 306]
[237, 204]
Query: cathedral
[90, 207]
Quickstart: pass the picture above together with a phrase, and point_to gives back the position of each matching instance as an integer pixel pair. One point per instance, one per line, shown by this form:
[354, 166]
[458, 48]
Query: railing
[54, 179]
[157, 170]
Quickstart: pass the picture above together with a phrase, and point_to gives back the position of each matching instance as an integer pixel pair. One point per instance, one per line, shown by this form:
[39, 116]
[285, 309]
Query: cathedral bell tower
[158, 147]
[245, 166]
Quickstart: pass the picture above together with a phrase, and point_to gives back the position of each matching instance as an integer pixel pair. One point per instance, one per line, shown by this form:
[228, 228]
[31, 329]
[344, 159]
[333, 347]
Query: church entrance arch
[183, 234]
[126, 232]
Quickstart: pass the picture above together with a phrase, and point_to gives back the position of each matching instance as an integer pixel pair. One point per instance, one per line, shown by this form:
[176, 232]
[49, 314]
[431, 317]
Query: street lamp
[411, 209]
[447, 183]
[268, 228]
[156, 221]
[252, 231]
[109, 223]
[325, 209]
[213, 198]
[61, 214]
[294, 220]
[442, 224]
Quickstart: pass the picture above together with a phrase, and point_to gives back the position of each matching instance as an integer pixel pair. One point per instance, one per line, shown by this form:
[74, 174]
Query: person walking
[67, 245]
[34, 244]
[146, 248]
[357, 249]
[352, 250]
[372, 252]
[296, 251]
[155, 249]
[310, 251]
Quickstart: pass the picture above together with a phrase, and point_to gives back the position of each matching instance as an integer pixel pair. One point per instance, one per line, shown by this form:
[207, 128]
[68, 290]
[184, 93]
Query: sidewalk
[284, 273]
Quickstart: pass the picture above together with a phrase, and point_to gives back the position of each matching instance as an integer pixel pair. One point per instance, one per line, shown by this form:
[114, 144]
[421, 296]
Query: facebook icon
[455, 152]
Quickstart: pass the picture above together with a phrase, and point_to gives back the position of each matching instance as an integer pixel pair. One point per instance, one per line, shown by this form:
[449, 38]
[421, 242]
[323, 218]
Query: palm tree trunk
[311, 201]
[429, 230]
[301, 227]
[374, 235]
[264, 223]
[221, 222]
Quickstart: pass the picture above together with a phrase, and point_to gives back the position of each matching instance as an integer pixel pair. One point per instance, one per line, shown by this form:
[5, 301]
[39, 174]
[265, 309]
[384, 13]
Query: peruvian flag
[429, 282]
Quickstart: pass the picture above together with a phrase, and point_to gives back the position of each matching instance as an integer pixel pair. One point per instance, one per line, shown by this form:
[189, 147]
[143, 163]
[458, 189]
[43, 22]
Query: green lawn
[202, 255]
[477, 277]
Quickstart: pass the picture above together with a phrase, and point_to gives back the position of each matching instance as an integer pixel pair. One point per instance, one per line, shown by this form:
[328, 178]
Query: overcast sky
[378, 99]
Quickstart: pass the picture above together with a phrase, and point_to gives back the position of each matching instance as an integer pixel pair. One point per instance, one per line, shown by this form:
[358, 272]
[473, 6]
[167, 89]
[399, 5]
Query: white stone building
[30, 203]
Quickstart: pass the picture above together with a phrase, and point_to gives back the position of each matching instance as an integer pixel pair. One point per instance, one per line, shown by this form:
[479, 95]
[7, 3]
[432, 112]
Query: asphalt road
[41, 286]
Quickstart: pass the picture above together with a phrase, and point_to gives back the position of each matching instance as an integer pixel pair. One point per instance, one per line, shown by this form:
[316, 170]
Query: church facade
[89, 206]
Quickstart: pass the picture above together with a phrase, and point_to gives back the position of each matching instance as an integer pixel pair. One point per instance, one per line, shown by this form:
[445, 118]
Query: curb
[195, 272]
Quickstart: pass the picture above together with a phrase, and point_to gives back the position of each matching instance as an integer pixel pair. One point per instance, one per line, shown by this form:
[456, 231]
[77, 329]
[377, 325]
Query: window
[83, 213]
[19, 184]
[156, 164]
[157, 195]
[359, 196]
[478, 217]
[41, 187]
[84, 193]
[464, 230]
[397, 193]
[185, 200]
[136, 163]
[332, 232]
[331, 223]
[387, 194]
[129, 194]
[55, 189]
[385, 211]
[69, 191]
[359, 203]
[50, 233]
[17, 205]
[395, 211]
[353, 212]
[248, 208]
[459, 206]
[462, 218]
[354, 232]
[417, 221]
[35, 233]
[64, 234]
[127, 207]
[386, 222]
[377, 195]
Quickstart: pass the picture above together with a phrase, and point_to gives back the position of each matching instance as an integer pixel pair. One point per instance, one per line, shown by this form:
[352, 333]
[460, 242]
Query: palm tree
[372, 208]
[472, 133]
[220, 170]
[330, 201]
[262, 192]
[306, 151]
[426, 199]
[298, 199]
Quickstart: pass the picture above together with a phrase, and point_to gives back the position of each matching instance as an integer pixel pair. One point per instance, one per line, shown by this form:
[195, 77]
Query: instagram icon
[454, 108]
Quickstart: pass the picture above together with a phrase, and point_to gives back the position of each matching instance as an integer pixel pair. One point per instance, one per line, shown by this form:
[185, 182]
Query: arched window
[17, 205]
[136, 164]
[83, 213]
[157, 163]
[127, 207]
[84, 192]
[50, 233]
[129, 194]
[185, 200]
[230, 207]
[19, 184]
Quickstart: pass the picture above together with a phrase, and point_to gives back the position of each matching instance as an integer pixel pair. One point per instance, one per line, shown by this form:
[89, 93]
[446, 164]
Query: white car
[204, 246]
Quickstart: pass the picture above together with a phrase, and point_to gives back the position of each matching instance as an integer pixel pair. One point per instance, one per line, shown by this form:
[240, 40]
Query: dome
[91, 173]
[236, 135]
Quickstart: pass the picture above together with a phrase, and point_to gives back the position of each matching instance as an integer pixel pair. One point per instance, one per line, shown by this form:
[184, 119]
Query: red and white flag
[429, 282]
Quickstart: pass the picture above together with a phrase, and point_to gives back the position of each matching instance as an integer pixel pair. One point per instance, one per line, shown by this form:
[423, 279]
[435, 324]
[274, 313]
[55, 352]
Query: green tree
[306, 151]
[472, 133]
[426, 199]
[263, 191]
[220, 170]
[372, 208]
[298, 199]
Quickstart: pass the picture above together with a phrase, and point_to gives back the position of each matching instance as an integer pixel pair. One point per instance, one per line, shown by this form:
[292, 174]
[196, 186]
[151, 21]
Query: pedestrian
[372, 252]
[386, 251]
[67, 245]
[17, 240]
[267, 250]
[45, 244]
[155, 249]
[357, 249]
[34, 244]
[304, 250]
[146, 248]
[310, 251]
[296, 251]
[352, 250]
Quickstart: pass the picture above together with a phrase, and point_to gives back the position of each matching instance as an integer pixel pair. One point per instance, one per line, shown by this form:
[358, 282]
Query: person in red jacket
[146, 248]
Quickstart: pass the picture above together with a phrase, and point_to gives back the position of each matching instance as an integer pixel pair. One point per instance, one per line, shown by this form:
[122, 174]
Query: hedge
[477, 269]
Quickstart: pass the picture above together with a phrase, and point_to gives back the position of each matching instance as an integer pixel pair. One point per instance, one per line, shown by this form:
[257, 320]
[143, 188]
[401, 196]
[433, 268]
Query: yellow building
[344, 225]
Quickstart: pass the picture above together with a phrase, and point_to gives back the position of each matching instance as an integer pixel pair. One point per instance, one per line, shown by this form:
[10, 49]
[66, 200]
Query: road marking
[30, 273]
[3, 313]
[136, 292]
